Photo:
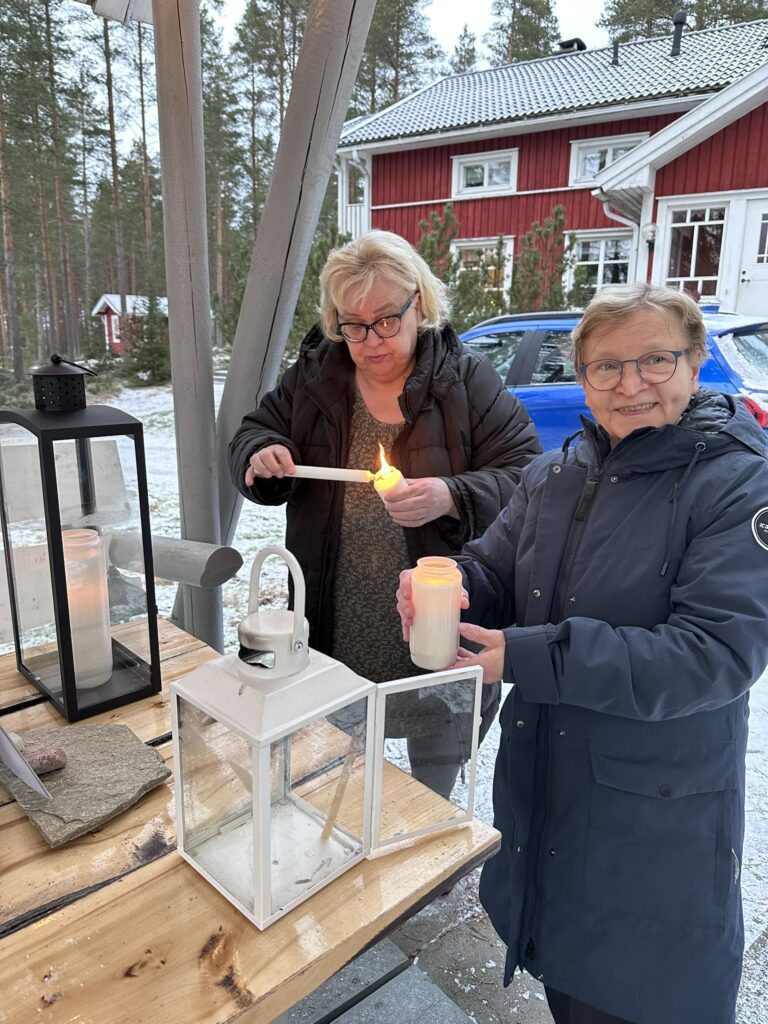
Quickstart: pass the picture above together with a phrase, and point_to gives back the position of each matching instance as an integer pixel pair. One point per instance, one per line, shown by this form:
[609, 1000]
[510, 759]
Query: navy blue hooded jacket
[640, 592]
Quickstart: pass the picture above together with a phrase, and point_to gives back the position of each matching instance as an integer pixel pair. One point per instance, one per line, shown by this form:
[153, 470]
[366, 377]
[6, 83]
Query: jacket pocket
[658, 835]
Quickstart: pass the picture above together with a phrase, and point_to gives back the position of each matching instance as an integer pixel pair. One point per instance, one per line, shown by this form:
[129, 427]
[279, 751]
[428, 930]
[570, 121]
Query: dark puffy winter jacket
[638, 577]
[460, 424]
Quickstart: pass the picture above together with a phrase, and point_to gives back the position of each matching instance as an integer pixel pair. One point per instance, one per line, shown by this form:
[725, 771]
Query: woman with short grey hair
[624, 592]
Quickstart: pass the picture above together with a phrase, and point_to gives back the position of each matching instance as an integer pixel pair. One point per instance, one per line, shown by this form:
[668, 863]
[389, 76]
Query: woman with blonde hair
[384, 366]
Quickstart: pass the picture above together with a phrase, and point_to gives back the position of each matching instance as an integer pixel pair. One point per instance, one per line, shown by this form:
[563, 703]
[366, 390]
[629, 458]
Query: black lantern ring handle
[56, 359]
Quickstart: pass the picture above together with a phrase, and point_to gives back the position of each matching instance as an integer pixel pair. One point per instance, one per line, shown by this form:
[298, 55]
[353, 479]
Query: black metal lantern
[74, 493]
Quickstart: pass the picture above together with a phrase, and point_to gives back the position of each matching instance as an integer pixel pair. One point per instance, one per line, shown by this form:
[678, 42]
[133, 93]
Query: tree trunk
[116, 199]
[55, 332]
[281, 72]
[146, 181]
[254, 158]
[219, 258]
[67, 285]
[9, 256]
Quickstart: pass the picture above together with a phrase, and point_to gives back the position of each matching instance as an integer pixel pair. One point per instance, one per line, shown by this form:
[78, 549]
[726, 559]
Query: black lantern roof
[60, 385]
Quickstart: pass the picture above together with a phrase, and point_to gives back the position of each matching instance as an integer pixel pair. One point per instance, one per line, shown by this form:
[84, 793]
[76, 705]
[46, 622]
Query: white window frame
[602, 235]
[706, 202]
[581, 146]
[488, 243]
[459, 191]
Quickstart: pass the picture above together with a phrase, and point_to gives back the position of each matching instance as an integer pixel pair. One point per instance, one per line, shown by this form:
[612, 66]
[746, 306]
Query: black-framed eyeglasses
[653, 367]
[384, 327]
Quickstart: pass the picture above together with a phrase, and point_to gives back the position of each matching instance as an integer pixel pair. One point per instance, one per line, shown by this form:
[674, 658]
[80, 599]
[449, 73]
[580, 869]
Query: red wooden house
[656, 150]
[118, 331]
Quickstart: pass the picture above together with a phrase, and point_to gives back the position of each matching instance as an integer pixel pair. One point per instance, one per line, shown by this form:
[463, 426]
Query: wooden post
[180, 118]
[331, 50]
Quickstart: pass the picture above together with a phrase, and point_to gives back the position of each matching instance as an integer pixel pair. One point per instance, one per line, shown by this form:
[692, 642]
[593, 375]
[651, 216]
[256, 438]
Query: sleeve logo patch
[760, 527]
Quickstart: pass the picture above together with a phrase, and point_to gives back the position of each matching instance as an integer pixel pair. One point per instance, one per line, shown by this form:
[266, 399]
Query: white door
[752, 296]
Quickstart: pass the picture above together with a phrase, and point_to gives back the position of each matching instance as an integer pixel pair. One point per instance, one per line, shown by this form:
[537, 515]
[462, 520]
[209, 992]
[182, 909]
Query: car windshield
[554, 363]
[500, 348]
[748, 356]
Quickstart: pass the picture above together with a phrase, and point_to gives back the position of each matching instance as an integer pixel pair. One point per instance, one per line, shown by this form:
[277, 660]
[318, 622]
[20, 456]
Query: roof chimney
[615, 58]
[679, 21]
[571, 45]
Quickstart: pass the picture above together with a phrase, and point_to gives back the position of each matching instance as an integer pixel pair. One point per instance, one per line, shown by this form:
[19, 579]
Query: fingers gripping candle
[388, 479]
[436, 595]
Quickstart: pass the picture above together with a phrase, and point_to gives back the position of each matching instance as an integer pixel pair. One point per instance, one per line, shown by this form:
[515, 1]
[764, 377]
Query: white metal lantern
[284, 776]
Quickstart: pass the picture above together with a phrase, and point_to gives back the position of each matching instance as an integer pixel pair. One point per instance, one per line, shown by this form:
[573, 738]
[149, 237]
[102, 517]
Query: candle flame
[384, 464]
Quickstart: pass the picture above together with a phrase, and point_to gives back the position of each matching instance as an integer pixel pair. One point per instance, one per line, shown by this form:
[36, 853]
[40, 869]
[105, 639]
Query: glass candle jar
[436, 595]
[86, 568]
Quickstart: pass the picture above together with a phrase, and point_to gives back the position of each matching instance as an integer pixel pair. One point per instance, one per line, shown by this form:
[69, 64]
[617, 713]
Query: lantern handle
[57, 360]
[297, 636]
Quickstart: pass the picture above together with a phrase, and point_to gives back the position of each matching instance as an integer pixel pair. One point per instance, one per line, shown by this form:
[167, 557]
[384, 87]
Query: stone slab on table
[108, 769]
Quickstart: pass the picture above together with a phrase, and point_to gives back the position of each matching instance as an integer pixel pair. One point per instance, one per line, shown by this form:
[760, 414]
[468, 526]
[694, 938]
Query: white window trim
[598, 234]
[458, 162]
[489, 243]
[578, 146]
[672, 204]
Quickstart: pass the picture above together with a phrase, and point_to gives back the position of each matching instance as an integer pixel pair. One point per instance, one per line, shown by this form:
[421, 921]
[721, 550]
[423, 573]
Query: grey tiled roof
[709, 60]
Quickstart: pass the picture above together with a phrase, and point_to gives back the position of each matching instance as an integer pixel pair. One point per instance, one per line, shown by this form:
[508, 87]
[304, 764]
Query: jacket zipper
[580, 518]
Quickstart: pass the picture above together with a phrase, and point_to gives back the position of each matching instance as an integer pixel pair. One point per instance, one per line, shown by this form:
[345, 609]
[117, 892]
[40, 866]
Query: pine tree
[522, 30]
[540, 265]
[400, 55]
[464, 56]
[643, 19]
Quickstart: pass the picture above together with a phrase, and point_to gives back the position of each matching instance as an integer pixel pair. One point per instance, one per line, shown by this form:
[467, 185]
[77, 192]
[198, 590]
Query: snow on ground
[260, 526]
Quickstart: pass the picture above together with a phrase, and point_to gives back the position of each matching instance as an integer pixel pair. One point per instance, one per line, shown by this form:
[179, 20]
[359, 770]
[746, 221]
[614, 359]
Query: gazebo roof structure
[331, 51]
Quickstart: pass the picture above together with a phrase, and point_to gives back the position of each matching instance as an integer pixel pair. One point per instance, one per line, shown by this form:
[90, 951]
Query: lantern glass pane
[24, 516]
[215, 773]
[317, 802]
[428, 757]
[97, 485]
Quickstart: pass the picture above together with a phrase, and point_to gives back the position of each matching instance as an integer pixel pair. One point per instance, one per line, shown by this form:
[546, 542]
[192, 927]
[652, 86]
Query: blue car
[532, 354]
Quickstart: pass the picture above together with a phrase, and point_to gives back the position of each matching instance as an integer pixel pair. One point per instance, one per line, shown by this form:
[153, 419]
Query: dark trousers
[567, 1010]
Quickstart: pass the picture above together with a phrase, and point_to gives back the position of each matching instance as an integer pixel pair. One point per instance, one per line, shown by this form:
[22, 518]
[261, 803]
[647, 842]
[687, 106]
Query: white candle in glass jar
[436, 596]
[88, 600]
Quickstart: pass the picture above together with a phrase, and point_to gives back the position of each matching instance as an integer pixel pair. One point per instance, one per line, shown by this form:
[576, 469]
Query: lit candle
[348, 476]
[389, 479]
[88, 601]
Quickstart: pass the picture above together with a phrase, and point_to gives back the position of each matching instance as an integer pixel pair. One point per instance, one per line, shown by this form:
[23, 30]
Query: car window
[747, 354]
[554, 363]
[500, 348]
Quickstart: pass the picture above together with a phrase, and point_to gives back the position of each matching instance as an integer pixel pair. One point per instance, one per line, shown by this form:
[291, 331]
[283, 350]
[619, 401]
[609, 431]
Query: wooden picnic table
[116, 927]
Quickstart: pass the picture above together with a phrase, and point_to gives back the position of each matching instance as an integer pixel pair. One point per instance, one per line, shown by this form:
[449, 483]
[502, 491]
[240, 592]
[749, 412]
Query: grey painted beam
[331, 51]
[182, 158]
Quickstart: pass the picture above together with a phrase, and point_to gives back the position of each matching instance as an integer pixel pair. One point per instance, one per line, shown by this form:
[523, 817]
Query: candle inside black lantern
[74, 488]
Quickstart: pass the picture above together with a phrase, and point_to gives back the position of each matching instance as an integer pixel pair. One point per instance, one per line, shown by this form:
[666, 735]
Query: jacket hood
[435, 372]
[712, 424]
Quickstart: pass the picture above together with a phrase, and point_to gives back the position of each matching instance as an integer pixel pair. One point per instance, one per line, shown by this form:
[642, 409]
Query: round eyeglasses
[384, 327]
[653, 367]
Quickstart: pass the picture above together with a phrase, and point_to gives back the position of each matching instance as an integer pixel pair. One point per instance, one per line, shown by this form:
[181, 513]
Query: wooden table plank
[125, 931]
[163, 945]
[16, 690]
[36, 879]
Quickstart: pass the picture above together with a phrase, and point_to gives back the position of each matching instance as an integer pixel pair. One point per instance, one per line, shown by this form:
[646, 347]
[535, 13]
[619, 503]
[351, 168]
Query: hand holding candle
[388, 480]
[416, 501]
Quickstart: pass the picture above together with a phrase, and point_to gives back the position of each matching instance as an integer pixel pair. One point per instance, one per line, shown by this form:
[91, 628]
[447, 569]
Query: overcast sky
[448, 17]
